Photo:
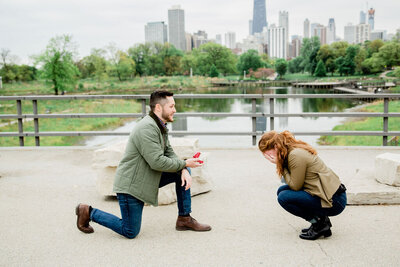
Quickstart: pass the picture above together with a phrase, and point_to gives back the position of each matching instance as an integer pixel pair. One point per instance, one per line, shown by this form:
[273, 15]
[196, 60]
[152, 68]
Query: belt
[341, 189]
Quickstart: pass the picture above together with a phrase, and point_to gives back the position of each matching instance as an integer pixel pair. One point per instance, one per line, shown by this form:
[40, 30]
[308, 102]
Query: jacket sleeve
[147, 142]
[295, 178]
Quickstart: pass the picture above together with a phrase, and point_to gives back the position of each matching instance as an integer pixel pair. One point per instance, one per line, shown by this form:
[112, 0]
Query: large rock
[387, 169]
[363, 189]
[106, 160]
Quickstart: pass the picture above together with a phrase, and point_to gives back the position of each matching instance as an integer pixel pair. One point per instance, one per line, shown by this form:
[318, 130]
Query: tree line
[59, 65]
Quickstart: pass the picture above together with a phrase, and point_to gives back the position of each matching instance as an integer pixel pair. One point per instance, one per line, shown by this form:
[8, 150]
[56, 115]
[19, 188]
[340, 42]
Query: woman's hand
[269, 158]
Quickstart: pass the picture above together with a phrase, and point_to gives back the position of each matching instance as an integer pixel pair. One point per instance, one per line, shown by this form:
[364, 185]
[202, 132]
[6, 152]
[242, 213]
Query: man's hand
[186, 179]
[193, 163]
[269, 158]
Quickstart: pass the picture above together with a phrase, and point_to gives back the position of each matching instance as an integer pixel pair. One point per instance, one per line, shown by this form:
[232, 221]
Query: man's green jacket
[148, 154]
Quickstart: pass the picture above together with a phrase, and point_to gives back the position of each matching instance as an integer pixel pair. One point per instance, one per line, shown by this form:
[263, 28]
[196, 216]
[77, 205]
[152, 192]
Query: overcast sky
[26, 26]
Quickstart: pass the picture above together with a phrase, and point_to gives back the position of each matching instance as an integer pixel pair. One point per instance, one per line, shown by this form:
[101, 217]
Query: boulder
[387, 169]
[106, 160]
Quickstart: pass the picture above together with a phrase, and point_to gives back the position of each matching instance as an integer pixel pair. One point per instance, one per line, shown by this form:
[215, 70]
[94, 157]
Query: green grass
[68, 106]
[307, 76]
[365, 124]
[110, 86]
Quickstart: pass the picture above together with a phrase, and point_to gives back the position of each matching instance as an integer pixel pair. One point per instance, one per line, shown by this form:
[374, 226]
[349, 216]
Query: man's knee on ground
[130, 234]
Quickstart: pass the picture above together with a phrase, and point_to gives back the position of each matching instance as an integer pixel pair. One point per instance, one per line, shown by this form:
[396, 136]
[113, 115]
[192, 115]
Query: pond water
[243, 124]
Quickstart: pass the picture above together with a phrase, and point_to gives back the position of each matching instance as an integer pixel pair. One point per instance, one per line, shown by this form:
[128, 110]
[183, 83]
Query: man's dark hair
[157, 96]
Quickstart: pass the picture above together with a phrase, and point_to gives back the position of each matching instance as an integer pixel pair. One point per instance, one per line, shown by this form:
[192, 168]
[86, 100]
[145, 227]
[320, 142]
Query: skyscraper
[250, 27]
[320, 31]
[350, 33]
[176, 24]
[371, 18]
[230, 40]
[331, 31]
[306, 29]
[363, 17]
[259, 16]
[277, 42]
[284, 23]
[155, 32]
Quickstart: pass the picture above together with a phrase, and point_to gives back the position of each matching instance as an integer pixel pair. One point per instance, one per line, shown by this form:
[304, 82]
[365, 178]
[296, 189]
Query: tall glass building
[155, 32]
[259, 16]
[176, 24]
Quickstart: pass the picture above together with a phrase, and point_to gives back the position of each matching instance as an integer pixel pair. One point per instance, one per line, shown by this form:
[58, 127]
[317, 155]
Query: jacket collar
[160, 124]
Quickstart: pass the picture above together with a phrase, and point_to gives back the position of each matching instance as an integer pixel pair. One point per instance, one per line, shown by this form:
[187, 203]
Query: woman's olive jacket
[308, 172]
[148, 154]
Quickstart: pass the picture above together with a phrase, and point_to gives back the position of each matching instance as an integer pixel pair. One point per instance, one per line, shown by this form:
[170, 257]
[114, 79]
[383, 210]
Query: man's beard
[167, 118]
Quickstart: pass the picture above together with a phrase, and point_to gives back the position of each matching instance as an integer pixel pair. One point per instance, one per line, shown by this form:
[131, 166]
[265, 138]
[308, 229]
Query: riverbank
[66, 107]
[364, 124]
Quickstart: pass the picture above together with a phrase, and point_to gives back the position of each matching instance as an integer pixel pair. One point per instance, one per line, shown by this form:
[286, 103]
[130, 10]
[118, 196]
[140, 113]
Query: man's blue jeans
[302, 204]
[132, 208]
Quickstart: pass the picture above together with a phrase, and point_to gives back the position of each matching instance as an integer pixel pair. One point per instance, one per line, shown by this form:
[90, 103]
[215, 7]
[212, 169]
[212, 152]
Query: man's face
[168, 109]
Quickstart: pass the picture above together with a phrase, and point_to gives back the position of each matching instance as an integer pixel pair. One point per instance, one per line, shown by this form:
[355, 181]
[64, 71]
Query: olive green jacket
[148, 154]
[308, 172]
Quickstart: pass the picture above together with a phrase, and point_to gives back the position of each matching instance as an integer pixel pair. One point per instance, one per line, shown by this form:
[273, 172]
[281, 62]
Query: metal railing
[385, 115]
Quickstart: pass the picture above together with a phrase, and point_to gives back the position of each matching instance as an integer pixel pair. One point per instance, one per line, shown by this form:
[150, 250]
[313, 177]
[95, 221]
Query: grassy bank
[335, 77]
[110, 86]
[364, 124]
[66, 106]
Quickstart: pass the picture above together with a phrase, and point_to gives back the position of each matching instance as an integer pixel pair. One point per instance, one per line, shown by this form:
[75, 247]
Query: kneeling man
[148, 164]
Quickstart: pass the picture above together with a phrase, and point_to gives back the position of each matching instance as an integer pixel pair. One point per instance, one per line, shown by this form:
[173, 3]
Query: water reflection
[243, 124]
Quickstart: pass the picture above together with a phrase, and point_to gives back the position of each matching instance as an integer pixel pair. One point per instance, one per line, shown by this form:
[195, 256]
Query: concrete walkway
[39, 188]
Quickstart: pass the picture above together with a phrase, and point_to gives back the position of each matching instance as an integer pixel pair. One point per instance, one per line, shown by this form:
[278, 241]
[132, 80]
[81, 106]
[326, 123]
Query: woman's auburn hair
[283, 142]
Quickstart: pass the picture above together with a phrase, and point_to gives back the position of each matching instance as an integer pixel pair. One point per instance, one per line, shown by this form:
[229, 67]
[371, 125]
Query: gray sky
[26, 26]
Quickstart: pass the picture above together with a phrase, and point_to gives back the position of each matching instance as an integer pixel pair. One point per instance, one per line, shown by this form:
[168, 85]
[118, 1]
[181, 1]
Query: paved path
[39, 189]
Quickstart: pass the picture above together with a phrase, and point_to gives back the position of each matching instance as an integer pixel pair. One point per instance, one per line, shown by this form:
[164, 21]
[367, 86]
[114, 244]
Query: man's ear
[158, 107]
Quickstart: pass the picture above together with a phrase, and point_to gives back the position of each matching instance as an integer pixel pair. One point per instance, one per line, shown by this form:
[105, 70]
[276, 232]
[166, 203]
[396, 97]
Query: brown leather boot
[83, 219]
[184, 223]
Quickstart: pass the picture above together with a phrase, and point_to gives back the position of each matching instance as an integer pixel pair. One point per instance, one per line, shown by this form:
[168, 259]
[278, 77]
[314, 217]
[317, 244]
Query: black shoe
[305, 230]
[321, 228]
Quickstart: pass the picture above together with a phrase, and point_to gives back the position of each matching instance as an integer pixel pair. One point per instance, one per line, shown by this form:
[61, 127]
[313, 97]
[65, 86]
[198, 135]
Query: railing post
[254, 119]
[20, 123]
[143, 107]
[36, 122]
[385, 120]
[271, 111]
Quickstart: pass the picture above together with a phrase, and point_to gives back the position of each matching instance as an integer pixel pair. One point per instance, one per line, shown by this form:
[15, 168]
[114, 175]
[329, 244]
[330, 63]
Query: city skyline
[26, 26]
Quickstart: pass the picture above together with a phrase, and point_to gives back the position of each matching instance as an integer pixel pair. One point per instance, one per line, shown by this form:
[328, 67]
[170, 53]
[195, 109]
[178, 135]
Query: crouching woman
[312, 190]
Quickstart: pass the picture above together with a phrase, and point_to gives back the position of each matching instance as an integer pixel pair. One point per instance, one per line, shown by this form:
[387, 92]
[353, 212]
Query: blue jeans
[132, 208]
[302, 204]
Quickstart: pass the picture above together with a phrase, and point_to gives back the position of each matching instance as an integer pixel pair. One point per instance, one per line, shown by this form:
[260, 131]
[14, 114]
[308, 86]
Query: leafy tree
[141, 56]
[294, 65]
[327, 55]
[281, 67]
[308, 53]
[339, 48]
[58, 64]
[390, 54]
[373, 47]
[210, 53]
[346, 64]
[121, 64]
[320, 71]
[171, 59]
[373, 64]
[249, 60]
[188, 62]
[213, 71]
[94, 65]
[359, 59]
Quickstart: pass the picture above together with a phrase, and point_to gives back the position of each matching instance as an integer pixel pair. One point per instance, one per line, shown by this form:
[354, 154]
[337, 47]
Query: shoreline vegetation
[145, 85]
